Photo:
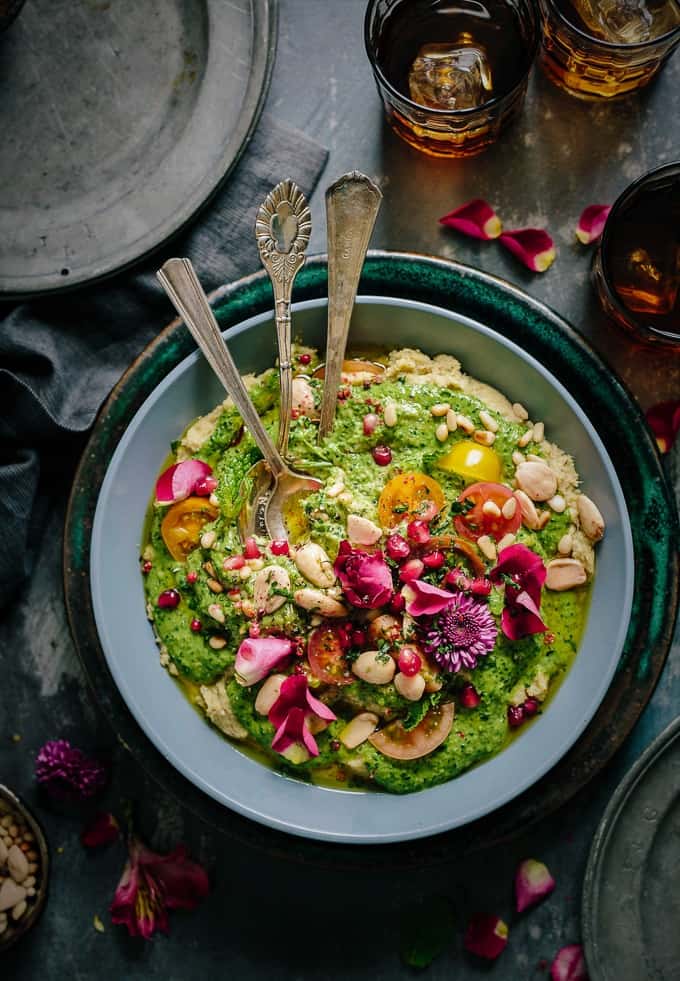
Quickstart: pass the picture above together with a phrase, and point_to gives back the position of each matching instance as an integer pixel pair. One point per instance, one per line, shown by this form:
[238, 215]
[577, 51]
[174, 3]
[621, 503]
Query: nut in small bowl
[24, 868]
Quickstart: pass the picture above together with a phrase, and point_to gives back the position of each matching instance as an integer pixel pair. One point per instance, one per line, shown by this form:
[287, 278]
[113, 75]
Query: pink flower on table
[258, 656]
[365, 577]
[292, 712]
[101, 830]
[523, 573]
[152, 884]
[67, 773]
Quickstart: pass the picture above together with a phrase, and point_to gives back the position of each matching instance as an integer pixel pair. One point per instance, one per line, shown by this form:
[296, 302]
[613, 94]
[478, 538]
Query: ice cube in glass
[451, 75]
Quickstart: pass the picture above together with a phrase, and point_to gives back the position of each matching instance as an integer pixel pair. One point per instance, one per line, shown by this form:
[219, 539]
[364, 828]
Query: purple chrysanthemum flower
[462, 632]
[66, 773]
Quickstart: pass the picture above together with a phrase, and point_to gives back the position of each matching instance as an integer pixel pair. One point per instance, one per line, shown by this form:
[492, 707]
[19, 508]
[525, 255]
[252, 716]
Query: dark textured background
[267, 919]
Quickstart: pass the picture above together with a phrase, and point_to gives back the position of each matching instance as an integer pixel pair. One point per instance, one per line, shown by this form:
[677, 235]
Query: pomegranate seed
[335, 745]
[397, 603]
[480, 587]
[305, 358]
[397, 547]
[418, 532]
[434, 560]
[531, 706]
[233, 563]
[295, 413]
[251, 550]
[469, 696]
[515, 716]
[204, 486]
[344, 394]
[254, 630]
[192, 577]
[196, 625]
[279, 547]
[457, 578]
[147, 567]
[382, 455]
[413, 569]
[409, 662]
[234, 594]
[169, 599]
[371, 421]
[358, 638]
[344, 636]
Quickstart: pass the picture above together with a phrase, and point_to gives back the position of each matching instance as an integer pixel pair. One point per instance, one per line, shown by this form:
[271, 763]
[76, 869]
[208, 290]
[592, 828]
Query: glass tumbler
[451, 76]
[601, 49]
[636, 269]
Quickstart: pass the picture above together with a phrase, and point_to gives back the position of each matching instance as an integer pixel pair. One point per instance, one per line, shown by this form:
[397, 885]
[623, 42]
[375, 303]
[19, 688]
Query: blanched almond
[266, 582]
[528, 509]
[315, 565]
[564, 574]
[319, 602]
[591, 520]
[374, 668]
[412, 687]
[361, 530]
[537, 480]
[359, 729]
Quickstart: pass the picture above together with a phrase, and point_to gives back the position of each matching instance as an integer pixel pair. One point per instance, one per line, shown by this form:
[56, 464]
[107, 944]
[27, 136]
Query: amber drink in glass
[601, 49]
[636, 269]
[451, 75]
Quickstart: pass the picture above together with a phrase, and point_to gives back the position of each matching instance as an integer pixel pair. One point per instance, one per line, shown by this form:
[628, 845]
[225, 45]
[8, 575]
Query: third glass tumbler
[451, 75]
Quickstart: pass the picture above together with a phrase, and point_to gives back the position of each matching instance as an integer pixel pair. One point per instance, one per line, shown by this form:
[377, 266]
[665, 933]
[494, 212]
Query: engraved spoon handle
[282, 230]
[352, 205]
[180, 282]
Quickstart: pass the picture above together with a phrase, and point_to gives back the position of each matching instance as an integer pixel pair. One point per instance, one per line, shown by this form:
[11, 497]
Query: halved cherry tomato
[408, 496]
[462, 547]
[327, 657]
[183, 523]
[475, 523]
[472, 461]
[401, 744]
[353, 370]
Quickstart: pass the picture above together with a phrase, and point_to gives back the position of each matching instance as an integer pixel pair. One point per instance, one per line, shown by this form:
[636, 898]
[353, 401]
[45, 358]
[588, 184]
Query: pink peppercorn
[469, 696]
[418, 532]
[251, 550]
[531, 706]
[382, 455]
[344, 394]
[147, 567]
[279, 547]
[196, 625]
[515, 716]
[192, 577]
[397, 547]
[168, 599]
[434, 560]
[305, 358]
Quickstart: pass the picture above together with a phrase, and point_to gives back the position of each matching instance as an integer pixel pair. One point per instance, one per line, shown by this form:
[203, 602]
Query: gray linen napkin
[60, 356]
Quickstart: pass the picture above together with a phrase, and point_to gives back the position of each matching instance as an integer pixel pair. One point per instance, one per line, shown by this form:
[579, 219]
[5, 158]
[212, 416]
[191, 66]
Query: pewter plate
[118, 123]
[631, 902]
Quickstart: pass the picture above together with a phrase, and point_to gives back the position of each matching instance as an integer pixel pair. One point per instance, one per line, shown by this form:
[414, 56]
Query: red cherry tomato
[326, 655]
[475, 522]
[402, 744]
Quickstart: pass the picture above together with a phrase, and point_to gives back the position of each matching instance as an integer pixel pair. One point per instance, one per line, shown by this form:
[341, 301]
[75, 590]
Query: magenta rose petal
[258, 656]
[290, 712]
[533, 882]
[664, 421]
[592, 222]
[365, 577]
[486, 936]
[475, 218]
[423, 599]
[569, 964]
[532, 246]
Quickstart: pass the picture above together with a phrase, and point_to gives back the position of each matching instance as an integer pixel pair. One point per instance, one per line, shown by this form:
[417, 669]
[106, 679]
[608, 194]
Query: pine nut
[467, 425]
[538, 432]
[487, 547]
[488, 421]
[245, 573]
[442, 432]
[484, 437]
[505, 541]
[518, 458]
[217, 643]
[525, 438]
[214, 500]
[509, 508]
[543, 519]
[565, 544]
[346, 499]
[492, 509]
[451, 421]
[216, 612]
[557, 503]
[215, 587]
[520, 411]
[208, 539]
[336, 488]
[534, 458]
[440, 409]
[390, 414]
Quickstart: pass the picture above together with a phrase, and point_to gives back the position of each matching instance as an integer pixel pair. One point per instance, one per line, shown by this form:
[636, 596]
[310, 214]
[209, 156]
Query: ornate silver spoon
[180, 282]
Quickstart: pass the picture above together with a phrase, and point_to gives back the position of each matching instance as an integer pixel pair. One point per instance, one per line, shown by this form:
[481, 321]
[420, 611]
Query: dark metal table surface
[265, 918]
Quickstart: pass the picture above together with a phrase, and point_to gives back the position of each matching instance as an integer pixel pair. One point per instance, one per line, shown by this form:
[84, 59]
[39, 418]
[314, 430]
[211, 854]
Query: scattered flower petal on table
[258, 656]
[475, 218]
[151, 884]
[664, 421]
[533, 882]
[178, 481]
[592, 222]
[66, 773]
[569, 964]
[532, 246]
[486, 936]
[101, 830]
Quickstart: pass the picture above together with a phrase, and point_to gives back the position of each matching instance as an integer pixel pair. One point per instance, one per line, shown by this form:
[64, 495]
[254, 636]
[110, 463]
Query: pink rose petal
[178, 481]
[486, 936]
[290, 712]
[532, 246]
[664, 421]
[422, 599]
[533, 882]
[592, 222]
[475, 218]
[258, 656]
[365, 577]
[569, 965]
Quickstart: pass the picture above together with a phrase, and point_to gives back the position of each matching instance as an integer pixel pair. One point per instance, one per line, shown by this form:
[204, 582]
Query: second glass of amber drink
[600, 49]
[451, 75]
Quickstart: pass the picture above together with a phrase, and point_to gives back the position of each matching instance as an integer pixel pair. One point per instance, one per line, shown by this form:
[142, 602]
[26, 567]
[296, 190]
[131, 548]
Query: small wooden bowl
[19, 929]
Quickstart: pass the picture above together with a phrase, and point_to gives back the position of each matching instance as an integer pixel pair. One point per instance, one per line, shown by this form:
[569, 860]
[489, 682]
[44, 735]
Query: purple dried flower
[462, 632]
[66, 773]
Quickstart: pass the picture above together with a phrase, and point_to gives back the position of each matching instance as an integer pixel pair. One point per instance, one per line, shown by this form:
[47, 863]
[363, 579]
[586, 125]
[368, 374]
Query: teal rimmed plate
[521, 325]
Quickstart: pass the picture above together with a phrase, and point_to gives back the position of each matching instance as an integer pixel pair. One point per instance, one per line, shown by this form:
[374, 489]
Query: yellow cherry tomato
[408, 496]
[472, 461]
[182, 525]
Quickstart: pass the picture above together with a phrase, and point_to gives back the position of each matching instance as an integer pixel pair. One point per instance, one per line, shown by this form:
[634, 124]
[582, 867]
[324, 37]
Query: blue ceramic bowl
[218, 767]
